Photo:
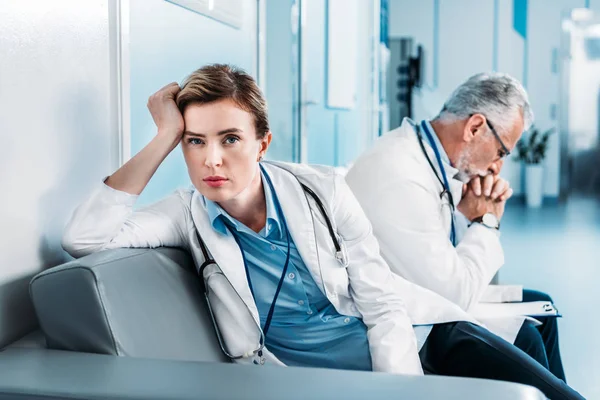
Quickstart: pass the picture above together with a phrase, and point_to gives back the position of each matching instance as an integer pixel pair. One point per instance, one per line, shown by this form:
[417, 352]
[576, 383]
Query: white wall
[543, 84]
[458, 40]
[584, 84]
[477, 35]
[56, 124]
[594, 5]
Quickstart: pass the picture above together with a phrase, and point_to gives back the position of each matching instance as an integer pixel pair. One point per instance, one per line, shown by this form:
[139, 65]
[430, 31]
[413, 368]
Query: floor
[555, 249]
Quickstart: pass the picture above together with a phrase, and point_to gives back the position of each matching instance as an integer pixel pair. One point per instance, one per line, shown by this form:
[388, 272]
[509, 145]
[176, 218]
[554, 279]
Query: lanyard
[445, 183]
[285, 267]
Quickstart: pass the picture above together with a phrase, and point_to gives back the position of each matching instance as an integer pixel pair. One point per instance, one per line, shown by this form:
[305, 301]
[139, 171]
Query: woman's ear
[265, 142]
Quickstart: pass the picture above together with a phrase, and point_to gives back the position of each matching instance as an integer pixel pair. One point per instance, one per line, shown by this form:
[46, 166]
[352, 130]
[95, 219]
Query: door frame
[120, 81]
[297, 21]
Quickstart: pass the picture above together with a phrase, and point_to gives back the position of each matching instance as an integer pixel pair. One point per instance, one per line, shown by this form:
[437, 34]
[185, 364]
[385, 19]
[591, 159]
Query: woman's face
[221, 149]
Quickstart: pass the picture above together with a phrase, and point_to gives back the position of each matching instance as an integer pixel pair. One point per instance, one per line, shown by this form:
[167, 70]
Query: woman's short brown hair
[219, 82]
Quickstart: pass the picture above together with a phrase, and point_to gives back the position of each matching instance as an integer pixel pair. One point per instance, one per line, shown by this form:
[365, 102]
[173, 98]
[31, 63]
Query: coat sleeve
[414, 241]
[106, 220]
[390, 333]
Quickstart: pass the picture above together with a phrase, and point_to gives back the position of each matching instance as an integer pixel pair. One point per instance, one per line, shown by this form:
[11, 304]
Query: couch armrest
[51, 374]
[127, 302]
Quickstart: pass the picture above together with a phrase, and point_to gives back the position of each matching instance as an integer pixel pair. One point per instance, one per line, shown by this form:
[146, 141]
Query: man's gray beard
[462, 176]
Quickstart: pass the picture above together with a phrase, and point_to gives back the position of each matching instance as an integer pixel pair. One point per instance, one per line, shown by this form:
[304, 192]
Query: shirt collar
[438, 143]
[218, 216]
[450, 170]
[214, 213]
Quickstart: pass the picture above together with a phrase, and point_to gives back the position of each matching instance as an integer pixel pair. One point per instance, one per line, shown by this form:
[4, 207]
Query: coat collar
[455, 184]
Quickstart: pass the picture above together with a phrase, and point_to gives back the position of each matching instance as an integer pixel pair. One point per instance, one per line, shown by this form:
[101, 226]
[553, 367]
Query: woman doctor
[317, 306]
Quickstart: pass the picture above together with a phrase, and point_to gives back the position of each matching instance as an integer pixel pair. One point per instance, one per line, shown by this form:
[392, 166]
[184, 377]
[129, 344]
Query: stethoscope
[209, 260]
[445, 185]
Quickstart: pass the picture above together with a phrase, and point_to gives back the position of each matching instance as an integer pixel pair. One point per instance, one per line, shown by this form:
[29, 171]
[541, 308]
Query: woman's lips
[215, 181]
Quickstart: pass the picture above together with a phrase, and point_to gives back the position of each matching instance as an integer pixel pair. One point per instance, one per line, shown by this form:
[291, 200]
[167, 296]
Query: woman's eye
[194, 141]
[231, 140]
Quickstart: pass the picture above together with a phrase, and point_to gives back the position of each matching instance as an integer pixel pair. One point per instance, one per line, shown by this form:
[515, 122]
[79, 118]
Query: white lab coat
[365, 288]
[400, 195]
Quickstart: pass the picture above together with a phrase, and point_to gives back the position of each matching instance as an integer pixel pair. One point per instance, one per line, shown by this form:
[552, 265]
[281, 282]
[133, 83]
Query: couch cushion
[33, 340]
[128, 302]
[51, 374]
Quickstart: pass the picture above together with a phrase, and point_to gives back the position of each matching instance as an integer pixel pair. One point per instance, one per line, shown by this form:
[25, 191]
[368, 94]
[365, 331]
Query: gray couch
[146, 305]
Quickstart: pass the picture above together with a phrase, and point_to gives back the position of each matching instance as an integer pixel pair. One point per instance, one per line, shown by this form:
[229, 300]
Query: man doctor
[433, 195]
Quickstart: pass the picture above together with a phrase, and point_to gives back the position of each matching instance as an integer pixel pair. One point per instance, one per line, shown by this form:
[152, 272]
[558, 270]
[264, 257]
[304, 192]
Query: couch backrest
[129, 302]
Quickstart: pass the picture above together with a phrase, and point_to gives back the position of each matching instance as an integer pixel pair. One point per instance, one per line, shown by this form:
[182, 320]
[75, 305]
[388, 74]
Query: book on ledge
[528, 309]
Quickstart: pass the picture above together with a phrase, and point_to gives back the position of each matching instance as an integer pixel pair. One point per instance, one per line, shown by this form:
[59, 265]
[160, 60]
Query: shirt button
[301, 302]
[309, 312]
[273, 247]
[291, 275]
[346, 320]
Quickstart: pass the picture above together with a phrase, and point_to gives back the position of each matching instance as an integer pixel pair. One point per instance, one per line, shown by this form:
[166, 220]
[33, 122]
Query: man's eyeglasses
[505, 151]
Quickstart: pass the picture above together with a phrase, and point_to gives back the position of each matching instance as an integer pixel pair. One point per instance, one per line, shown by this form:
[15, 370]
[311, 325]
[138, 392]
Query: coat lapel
[456, 190]
[225, 251]
[455, 185]
[298, 216]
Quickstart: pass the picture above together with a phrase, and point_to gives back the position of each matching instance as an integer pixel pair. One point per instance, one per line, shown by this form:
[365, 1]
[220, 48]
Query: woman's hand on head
[165, 113]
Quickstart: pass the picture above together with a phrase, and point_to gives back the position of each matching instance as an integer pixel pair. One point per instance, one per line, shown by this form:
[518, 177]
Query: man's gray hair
[499, 97]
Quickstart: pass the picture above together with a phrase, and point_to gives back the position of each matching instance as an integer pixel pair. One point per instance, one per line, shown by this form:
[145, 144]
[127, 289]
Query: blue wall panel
[520, 17]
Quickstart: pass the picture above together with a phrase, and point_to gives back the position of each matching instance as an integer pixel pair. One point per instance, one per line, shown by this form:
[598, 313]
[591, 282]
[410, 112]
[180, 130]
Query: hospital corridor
[553, 249]
[299, 199]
